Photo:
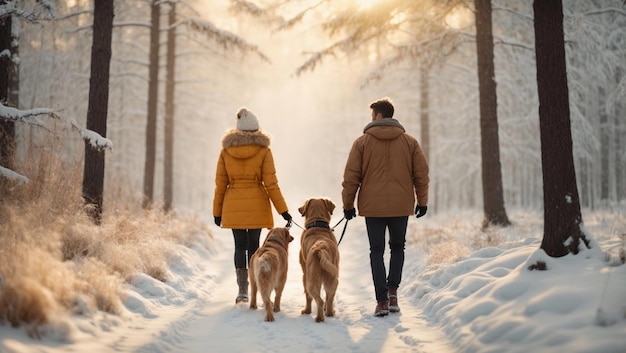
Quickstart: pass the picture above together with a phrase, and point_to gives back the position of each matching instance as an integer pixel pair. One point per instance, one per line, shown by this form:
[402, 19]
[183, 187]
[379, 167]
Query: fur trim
[236, 137]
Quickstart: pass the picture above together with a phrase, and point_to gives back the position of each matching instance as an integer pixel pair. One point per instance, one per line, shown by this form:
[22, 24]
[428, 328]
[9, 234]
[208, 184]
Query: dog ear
[330, 206]
[302, 208]
[287, 235]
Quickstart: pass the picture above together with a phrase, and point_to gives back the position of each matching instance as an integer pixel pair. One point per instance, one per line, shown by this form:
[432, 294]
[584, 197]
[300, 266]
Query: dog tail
[263, 263]
[325, 259]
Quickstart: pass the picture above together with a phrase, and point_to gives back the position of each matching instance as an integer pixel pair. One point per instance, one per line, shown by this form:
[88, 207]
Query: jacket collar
[234, 138]
[384, 122]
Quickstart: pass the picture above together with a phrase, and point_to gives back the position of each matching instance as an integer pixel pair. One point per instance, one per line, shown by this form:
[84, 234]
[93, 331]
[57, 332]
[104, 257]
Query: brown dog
[268, 270]
[319, 256]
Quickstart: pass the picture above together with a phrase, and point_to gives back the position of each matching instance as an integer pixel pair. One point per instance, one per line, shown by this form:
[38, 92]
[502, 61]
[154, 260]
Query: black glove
[218, 220]
[349, 214]
[420, 211]
[286, 216]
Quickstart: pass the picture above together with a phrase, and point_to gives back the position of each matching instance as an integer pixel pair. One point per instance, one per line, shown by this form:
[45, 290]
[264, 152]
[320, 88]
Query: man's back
[387, 166]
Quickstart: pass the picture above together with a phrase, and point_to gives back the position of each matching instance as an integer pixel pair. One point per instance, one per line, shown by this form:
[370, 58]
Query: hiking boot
[382, 309]
[242, 283]
[393, 300]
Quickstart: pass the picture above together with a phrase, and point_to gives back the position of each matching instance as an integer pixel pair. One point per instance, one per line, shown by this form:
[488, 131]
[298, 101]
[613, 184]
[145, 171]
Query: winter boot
[393, 300]
[242, 282]
[382, 309]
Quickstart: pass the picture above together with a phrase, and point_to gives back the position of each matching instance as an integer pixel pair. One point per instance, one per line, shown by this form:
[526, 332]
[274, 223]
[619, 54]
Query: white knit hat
[246, 121]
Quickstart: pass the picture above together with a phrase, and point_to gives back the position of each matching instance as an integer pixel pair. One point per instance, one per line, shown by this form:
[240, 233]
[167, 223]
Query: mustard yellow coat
[245, 182]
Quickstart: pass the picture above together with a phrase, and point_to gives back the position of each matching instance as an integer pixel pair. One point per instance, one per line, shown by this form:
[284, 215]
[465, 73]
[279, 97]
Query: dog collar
[320, 224]
[275, 241]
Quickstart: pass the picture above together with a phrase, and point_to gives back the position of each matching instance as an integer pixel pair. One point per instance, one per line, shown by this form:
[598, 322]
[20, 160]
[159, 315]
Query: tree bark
[9, 88]
[153, 92]
[562, 231]
[425, 110]
[93, 173]
[493, 194]
[168, 168]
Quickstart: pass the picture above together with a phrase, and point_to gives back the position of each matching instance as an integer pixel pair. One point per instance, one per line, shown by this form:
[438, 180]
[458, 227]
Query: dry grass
[449, 240]
[55, 261]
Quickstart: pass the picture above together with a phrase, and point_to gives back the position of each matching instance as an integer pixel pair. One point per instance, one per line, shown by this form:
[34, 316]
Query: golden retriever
[268, 270]
[319, 256]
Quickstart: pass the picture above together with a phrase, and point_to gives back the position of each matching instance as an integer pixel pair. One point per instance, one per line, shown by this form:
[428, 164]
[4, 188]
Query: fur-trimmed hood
[244, 144]
[236, 137]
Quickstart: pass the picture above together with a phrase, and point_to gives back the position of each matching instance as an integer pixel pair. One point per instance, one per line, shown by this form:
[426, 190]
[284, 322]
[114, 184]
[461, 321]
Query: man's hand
[286, 216]
[420, 211]
[218, 221]
[349, 214]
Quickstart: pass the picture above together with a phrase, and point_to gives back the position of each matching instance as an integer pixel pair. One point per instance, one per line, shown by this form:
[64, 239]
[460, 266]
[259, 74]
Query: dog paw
[253, 306]
[330, 314]
[276, 309]
[319, 319]
[306, 311]
[269, 318]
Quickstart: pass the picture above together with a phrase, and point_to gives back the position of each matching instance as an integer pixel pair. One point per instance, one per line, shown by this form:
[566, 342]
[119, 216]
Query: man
[388, 169]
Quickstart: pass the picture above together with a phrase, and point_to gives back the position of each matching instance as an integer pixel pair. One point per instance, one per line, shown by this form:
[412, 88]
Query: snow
[459, 300]
[9, 174]
[31, 117]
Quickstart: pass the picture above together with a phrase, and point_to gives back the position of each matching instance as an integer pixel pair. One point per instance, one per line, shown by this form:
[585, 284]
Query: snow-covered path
[216, 324]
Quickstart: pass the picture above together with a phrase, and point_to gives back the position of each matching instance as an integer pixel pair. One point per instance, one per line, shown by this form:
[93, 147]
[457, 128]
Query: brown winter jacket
[388, 169]
[245, 182]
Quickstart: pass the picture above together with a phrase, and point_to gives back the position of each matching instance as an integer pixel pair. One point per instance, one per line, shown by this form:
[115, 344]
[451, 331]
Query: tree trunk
[168, 168]
[153, 92]
[493, 195]
[9, 88]
[620, 160]
[93, 174]
[424, 110]
[562, 218]
[605, 141]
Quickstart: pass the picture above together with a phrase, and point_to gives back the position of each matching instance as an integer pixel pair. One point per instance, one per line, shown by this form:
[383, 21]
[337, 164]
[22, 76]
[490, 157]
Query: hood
[244, 144]
[384, 129]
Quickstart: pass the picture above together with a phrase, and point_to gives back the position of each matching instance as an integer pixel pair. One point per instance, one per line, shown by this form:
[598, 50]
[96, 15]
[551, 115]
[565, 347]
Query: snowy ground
[463, 301]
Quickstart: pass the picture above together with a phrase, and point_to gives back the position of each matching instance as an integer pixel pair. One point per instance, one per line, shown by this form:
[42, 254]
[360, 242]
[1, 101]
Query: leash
[344, 229]
[292, 222]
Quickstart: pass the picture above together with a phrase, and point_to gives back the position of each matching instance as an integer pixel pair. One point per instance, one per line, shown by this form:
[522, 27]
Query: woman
[245, 182]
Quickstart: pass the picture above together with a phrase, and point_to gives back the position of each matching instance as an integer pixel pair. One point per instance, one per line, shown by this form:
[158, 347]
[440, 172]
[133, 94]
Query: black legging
[246, 243]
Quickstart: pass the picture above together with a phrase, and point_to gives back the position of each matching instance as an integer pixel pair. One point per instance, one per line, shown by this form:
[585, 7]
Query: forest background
[314, 114]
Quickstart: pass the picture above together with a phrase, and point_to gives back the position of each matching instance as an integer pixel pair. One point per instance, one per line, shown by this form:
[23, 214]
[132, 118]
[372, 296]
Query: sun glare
[365, 4]
[459, 18]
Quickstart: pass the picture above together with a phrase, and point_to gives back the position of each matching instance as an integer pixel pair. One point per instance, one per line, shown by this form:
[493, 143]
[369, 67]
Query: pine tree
[563, 222]
[93, 176]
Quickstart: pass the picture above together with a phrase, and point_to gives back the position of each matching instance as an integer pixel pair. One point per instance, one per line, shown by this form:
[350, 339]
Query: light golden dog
[319, 256]
[268, 270]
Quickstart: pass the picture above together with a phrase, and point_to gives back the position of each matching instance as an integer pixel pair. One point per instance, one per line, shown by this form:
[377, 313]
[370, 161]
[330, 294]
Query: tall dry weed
[452, 239]
[56, 261]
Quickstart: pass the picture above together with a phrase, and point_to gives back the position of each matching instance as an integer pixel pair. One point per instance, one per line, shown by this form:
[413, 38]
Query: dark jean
[246, 243]
[376, 228]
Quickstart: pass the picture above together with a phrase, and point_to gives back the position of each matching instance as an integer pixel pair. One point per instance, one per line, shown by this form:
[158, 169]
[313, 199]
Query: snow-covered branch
[525, 16]
[604, 11]
[223, 38]
[247, 7]
[25, 116]
[346, 44]
[9, 174]
[95, 140]
[10, 9]
[31, 117]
